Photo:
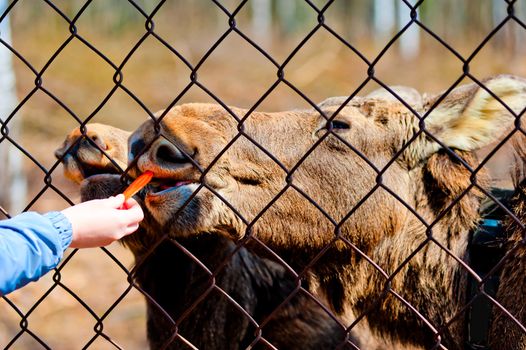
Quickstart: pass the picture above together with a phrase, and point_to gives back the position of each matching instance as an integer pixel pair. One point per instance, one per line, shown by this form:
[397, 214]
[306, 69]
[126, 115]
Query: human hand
[99, 222]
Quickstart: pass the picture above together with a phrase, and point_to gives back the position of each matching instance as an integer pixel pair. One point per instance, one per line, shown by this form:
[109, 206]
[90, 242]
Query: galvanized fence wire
[289, 172]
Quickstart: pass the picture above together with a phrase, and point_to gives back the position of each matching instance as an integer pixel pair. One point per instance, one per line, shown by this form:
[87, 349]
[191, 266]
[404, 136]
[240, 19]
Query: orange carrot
[137, 184]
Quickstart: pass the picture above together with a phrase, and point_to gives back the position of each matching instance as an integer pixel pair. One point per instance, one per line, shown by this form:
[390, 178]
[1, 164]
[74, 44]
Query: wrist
[63, 226]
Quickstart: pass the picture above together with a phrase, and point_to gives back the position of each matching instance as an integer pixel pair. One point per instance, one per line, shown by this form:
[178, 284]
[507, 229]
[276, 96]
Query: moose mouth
[82, 170]
[159, 187]
[88, 170]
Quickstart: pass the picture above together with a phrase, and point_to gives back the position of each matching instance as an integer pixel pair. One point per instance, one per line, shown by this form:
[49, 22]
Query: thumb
[116, 202]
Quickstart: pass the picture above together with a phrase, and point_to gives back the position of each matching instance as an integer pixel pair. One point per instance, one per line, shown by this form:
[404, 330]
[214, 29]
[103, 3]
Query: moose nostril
[170, 154]
[98, 141]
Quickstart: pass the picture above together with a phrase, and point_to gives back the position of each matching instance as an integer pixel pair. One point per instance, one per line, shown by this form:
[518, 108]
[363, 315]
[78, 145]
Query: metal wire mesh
[171, 336]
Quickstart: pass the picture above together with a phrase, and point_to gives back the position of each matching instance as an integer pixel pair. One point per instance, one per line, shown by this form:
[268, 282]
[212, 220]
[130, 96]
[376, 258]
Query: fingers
[133, 212]
[131, 229]
[115, 202]
[120, 202]
[131, 203]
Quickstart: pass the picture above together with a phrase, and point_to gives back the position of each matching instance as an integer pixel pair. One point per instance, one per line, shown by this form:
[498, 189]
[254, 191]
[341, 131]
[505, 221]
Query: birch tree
[13, 186]
[384, 19]
[262, 20]
[410, 40]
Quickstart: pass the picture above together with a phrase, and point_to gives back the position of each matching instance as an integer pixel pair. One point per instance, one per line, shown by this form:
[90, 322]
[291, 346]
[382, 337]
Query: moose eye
[339, 125]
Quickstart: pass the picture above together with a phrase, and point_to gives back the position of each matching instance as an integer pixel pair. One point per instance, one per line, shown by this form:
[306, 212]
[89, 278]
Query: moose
[374, 206]
[174, 282]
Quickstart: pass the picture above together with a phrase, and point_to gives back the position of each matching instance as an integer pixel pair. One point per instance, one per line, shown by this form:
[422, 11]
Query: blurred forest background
[234, 71]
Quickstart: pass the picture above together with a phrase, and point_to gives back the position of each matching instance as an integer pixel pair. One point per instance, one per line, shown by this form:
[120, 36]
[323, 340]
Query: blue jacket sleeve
[31, 244]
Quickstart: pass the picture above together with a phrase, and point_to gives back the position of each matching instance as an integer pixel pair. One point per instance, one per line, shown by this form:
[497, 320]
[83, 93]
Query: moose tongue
[177, 184]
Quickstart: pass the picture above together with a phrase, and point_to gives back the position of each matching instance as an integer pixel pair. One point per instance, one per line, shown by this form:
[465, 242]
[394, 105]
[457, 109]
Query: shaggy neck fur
[432, 281]
[256, 284]
[512, 278]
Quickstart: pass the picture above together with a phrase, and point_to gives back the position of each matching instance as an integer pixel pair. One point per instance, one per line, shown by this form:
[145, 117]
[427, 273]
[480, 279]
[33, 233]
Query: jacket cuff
[63, 227]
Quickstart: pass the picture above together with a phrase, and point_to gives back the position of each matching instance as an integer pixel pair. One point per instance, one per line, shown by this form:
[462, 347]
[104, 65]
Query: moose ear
[411, 96]
[470, 117]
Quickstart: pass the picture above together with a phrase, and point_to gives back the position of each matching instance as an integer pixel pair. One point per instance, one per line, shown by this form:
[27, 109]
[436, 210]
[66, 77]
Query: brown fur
[336, 178]
[101, 149]
[505, 332]
[424, 176]
[174, 281]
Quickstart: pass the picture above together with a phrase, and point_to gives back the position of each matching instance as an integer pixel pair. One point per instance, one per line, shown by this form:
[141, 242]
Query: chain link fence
[240, 286]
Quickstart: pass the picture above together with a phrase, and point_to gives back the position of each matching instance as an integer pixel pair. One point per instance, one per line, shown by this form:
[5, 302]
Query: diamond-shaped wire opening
[252, 66]
[171, 73]
[200, 297]
[59, 307]
[501, 53]
[125, 21]
[312, 70]
[47, 44]
[110, 277]
[130, 313]
[9, 327]
[81, 99]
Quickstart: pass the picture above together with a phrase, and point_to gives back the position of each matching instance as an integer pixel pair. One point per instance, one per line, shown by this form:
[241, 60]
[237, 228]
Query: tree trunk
[384, 20]
[410, 40]
[286, 13]
[262, 20]
[13, 186]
